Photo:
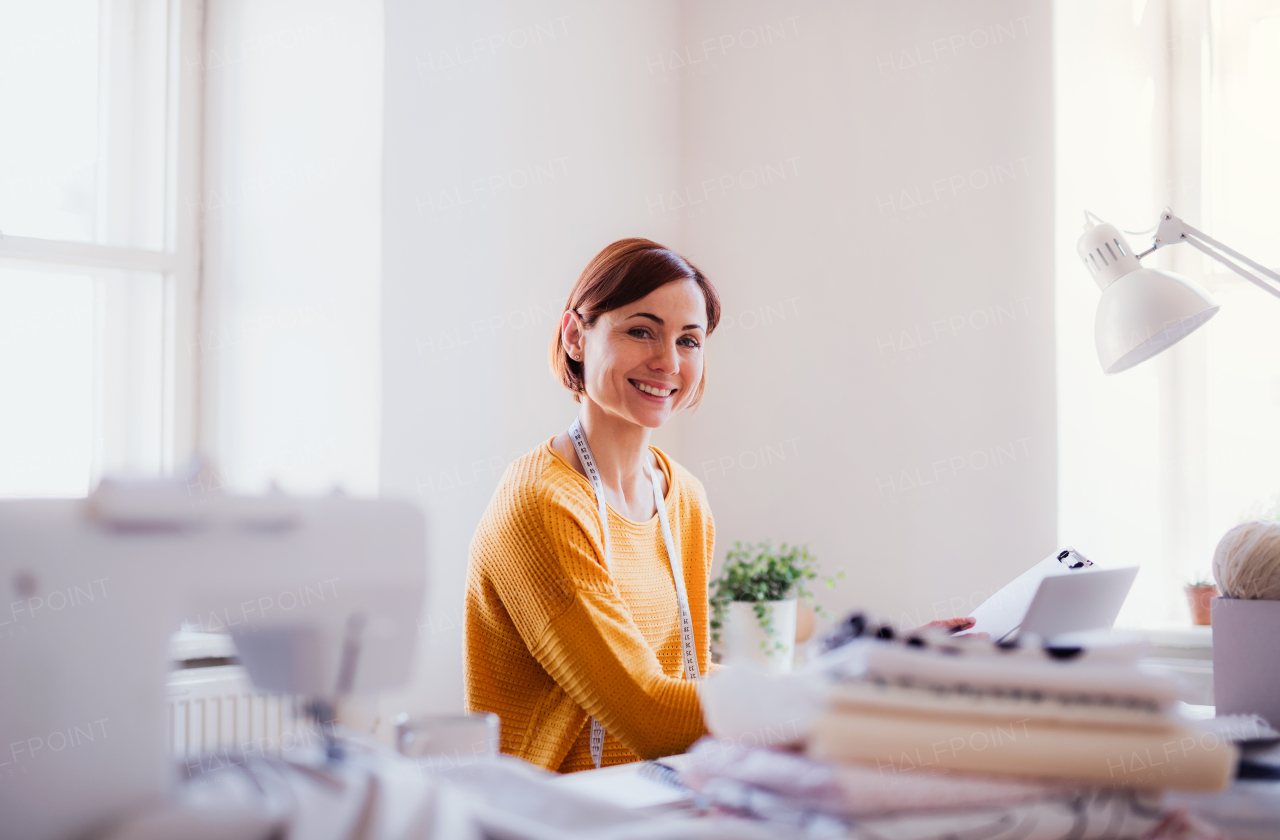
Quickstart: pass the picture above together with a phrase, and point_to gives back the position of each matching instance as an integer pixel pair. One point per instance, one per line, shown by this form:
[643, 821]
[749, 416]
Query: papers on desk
[1003, 612]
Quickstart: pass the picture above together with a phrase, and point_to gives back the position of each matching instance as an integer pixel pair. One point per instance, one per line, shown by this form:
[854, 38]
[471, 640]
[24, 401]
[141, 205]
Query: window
[98, 244]
[1168, 103]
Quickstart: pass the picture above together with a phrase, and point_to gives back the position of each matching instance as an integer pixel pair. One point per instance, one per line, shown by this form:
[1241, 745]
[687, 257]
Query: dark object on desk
[1073, 559]
[848, 629]
[660, 772]
[854, 626]
[1063, 652]
[1259, 748]
[1255, 770]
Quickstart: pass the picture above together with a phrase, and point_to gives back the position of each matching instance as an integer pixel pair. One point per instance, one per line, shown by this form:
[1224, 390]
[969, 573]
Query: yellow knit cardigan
[553, 637]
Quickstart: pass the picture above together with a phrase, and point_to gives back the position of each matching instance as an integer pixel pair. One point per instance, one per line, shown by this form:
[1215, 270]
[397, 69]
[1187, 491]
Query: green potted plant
[754, 600]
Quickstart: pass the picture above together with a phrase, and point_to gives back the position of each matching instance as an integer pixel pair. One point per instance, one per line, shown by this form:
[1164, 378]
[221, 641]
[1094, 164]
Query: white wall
[520, 138]
[887, 274]
[892, 290]
[292, 262]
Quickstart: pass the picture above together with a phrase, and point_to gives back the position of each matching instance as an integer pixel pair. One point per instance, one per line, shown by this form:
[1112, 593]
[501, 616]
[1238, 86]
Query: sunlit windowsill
[1186, 650]
[1175, 635]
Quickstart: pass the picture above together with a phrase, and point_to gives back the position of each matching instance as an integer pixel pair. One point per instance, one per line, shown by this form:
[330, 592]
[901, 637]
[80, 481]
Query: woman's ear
[571, 334]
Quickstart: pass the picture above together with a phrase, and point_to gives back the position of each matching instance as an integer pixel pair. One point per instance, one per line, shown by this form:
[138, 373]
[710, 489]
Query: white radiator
[215, 709]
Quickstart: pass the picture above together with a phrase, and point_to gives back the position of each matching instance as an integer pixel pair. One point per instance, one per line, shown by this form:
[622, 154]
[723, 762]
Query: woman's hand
[956, 626]
[951, 625]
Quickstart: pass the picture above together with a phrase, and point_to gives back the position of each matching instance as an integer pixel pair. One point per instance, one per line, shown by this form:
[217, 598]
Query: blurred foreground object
[859, 801]
[321, 597]
[444, 741]
[1081, 710]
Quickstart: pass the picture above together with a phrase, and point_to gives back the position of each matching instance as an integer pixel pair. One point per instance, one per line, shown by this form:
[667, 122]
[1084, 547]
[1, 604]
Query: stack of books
[1023, 712]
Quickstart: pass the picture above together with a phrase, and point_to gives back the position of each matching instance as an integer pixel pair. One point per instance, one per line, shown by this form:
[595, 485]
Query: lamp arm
[1173, 230]
[1261, 284]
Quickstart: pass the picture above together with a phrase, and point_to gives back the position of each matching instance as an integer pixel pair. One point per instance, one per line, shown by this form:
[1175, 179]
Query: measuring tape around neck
[688, 648]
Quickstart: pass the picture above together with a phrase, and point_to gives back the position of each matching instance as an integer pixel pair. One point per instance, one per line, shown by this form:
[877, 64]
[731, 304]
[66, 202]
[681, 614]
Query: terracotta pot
[805, 622]
[1198, 597]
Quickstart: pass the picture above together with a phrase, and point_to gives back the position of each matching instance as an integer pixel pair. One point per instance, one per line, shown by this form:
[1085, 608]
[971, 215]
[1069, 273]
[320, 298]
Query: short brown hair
[621, 274]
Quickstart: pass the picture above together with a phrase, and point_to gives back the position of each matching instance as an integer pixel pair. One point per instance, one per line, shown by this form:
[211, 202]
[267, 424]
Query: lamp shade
[1142, 310]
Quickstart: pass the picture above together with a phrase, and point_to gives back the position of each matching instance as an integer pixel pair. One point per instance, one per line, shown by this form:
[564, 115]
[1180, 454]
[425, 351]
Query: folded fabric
[1095, 815]
[1178, 757]
[855, 790]
[793, 790]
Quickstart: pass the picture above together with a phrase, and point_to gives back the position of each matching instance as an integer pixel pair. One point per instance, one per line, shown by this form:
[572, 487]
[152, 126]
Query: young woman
[586, 609]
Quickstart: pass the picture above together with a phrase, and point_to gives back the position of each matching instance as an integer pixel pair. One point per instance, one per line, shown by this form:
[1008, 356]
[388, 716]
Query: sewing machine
[321, 596]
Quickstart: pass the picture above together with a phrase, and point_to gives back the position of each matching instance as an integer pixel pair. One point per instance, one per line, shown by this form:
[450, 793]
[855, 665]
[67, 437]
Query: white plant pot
[743, 637]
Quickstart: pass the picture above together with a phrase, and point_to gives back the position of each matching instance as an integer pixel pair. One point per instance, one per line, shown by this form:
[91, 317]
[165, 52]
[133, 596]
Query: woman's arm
[595, 652]
[575, 623]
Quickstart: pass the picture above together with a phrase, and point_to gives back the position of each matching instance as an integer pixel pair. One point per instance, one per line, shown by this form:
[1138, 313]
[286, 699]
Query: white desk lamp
[1144, 310]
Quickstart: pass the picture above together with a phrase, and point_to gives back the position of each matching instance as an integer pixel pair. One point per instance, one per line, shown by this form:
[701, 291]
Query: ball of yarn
[1246, 563]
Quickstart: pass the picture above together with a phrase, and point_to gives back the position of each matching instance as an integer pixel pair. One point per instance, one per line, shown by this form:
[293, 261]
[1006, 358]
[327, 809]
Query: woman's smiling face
[643, 361]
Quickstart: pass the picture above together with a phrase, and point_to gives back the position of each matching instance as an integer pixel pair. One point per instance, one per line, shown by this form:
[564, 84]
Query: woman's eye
[689, 341]
[639, 332]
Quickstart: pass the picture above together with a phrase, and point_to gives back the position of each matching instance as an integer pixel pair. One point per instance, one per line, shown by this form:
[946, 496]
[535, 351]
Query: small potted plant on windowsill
[1199, 593]
[754, 600]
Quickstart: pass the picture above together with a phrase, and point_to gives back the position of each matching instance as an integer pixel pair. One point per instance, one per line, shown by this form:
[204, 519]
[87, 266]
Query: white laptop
[1083, 600]
[1064, 593]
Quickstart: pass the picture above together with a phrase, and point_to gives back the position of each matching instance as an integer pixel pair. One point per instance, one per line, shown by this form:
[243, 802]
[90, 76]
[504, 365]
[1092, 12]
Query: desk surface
[629, 786]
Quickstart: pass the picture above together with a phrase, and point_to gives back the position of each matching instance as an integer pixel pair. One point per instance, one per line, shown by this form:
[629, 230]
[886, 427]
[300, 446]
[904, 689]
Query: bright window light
[46, 377]
[1242, 173]
[49, 145]
[1157, 462]
[93, 272]
[86, 115]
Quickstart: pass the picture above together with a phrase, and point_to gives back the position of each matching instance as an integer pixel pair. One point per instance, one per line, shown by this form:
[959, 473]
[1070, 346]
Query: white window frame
[179, 263]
